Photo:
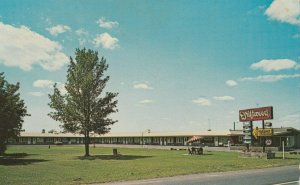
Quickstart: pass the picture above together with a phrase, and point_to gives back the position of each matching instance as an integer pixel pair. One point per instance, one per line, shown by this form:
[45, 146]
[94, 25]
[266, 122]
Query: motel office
[290, 135]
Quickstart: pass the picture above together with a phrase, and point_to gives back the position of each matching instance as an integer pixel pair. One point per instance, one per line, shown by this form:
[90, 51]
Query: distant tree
[43, 131]
[12, 112]
[84, 108]
[52, 131]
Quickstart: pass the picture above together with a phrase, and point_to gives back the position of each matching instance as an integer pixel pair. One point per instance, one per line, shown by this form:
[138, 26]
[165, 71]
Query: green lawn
[64, 164]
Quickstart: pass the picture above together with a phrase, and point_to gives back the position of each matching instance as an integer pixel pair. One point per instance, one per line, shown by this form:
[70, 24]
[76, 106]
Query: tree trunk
[2, 147]
[86, 143]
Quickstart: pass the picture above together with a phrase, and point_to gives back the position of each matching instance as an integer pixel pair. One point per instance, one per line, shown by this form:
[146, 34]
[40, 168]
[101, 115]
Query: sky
[178, 65]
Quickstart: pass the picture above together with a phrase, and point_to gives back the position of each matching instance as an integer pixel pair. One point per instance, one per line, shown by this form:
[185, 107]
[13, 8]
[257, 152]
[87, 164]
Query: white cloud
[231, 83]
[82, 36]
[270, 78]
[224, 98]
[146, 101]
[202, 102]
[23, 48]
[81, 31]
[37, 94]
[285, 11]
[296, 36]
[103, 23]
[142, 86]
[43, 83]
[274, 65]
[106, 41]
[82, 41]
[49, 84]
[58, 29]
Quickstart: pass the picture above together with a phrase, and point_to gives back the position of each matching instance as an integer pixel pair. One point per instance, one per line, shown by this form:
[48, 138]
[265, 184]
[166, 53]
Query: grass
[65, 164]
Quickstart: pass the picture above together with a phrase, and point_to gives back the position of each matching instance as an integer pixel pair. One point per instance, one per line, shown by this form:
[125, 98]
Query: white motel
[290, 135]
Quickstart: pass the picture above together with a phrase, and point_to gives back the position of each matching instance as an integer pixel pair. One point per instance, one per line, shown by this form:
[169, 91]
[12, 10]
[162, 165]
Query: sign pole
[251, 126]
[283, 150]
[263, 138]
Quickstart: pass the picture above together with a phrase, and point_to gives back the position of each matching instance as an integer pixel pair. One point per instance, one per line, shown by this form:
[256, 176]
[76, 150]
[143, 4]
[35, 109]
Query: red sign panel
[262, 113]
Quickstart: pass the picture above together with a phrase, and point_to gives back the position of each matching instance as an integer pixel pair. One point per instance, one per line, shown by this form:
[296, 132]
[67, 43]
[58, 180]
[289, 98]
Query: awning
[194, 138]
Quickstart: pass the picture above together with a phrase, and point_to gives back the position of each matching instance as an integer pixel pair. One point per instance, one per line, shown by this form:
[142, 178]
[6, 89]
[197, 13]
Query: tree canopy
[84, 108]
[12, 112]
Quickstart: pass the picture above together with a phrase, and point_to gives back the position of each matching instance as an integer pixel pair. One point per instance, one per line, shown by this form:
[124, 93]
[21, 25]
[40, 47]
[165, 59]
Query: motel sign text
[262, 113]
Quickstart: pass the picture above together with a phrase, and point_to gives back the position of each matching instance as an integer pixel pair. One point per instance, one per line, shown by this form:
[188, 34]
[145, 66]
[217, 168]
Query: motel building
[234, 138]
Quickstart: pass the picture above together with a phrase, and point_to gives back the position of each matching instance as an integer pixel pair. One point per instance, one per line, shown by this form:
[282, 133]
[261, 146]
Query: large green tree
[12, 112]
[84, 108]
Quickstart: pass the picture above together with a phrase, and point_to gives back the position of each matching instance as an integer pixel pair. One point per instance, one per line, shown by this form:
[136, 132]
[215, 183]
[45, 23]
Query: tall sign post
[247, 130]
[256, 114]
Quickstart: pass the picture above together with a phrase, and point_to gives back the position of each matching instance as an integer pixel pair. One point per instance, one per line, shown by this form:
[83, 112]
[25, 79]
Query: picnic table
[195, 151]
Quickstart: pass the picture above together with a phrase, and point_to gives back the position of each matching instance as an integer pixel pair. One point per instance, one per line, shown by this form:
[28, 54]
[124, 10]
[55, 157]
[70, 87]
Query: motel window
[208, 139]
[49, 139]
[179, 140]
[290, 141]
[40, 140]
[23, 139]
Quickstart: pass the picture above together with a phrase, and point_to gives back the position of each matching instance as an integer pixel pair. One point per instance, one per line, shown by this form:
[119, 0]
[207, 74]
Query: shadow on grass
[199, 154]
[18, 159]
[18, 155]
[112, 157]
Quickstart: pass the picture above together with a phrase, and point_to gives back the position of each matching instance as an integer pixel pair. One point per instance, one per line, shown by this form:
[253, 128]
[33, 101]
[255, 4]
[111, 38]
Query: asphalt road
[288, 175]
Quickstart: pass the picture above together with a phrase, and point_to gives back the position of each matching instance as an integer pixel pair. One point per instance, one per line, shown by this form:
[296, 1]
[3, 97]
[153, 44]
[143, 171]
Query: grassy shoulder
[64, 164]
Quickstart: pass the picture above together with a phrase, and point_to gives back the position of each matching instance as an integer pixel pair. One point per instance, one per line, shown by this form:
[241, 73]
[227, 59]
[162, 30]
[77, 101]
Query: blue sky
[177, 65]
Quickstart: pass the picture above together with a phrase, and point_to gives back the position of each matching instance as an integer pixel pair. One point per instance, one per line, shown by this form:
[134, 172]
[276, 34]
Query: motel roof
[277, 131]
[131, 134]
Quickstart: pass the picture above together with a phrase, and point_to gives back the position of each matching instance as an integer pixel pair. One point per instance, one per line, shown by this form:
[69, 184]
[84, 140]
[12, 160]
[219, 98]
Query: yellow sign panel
[255, 133]
[265, 132]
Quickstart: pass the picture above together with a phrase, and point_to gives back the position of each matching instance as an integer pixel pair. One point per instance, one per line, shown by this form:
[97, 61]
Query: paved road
[288, 175]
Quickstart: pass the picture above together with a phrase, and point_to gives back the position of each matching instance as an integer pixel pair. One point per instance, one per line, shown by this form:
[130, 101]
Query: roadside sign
[247, 137]
[268, 124]
[247, 141]
[268, 142]
[247, 124]
[255, 114]
[255, 133]
[265, 132]
[247, 130]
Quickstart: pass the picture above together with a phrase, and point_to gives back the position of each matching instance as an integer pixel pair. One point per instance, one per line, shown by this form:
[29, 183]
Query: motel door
[216, 141]
[34, 141]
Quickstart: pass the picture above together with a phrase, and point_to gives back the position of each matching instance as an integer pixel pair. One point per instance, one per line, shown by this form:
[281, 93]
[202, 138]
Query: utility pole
[283, 149]
[234, 125]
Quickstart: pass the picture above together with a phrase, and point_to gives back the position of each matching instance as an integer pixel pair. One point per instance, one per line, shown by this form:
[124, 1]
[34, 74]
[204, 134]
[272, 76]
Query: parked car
[58, 143]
